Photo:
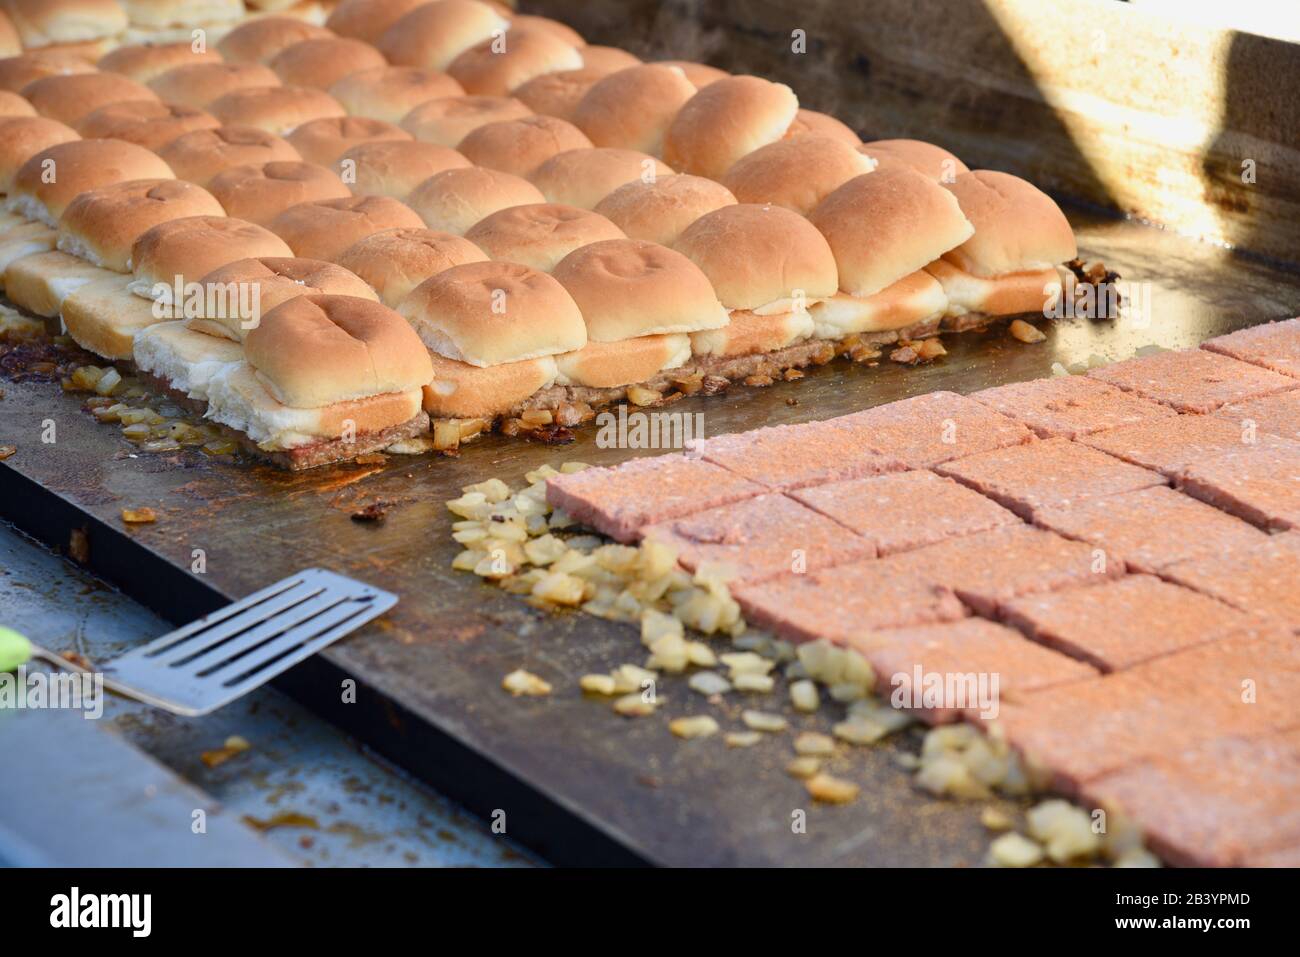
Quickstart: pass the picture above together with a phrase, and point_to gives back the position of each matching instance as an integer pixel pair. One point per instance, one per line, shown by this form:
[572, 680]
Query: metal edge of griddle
[559, 832]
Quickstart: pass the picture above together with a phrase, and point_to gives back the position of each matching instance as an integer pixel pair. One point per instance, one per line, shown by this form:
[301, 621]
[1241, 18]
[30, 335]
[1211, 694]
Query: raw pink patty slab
[906, 510]
[1260, 485]
[971, 658]
[989, 569]
[1052, 473]
[623, 500]
[1192, 380]
[933, 428]
[1261, 581]
[1274, 345]
[1070, 405]
[760, 537]
[1170, 445]
[1150, 530]
[845, 601]
[1122, 623]
[1274, 414]
[786, 457]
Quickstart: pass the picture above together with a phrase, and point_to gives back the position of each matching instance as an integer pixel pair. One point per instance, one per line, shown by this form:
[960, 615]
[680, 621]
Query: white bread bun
[185, 250]
[1032, 291]
[810, 122]
[42, 282]
[395, 167]
[462, 391]
[276, 109]
[146, 123]
[201, 84]
[494, 312]
[25, 239]
[143, 61]
[611, 365]
[520, 146]
[43, 23]
[457, 199]
[540, 235]
[932, 161]
[259, 40]
[259, 193]
[583, 177]
[795, 173]
[749, 334]
[395, 261]
[764, 259]
[607, 60]
[557, 94]
[17, 72]
[915, 298]
[324, 229]
[449, 120]
[627, 288]
[45, 184]
[660, 211]
[885, 225]
[433, 35]
[1018, 227]
[69, 98]
[495, 67]
[323, 141]
[725, 121]
[700, 74]
[203, 154]
[104, 317]
[390, 92]
[186, 360]
[633, 108]
[22, 137]
[368, 19]
[320, 63]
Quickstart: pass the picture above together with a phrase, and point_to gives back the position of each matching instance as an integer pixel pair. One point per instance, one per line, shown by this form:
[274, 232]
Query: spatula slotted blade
[210, 662]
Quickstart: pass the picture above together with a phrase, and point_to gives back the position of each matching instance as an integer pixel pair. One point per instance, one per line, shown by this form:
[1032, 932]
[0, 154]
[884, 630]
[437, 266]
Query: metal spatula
[213, 661]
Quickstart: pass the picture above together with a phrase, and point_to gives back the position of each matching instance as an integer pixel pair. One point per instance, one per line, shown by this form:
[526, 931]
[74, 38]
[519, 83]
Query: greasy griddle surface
[436, 662]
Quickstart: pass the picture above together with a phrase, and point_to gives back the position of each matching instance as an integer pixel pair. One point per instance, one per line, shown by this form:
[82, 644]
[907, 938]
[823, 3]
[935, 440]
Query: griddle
[566, 776]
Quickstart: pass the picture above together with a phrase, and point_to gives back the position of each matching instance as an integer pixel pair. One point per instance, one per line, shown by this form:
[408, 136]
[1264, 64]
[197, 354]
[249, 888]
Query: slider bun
[146, 123]
[143, 61]
[760, 258]
[633, 108]
[628, 287]
[395, 261]
[749, 334]
[434, 34]
[661, 211]
[933, 161]
[11, 104]
[725, 121]
[449, 120]
[540, 235]
[41, 23]
[700, 74]
[810, 122]
[276, 109]
[607, 60]
[325, 228]
[368, 19]
[462, 391]
[258, 41]
[199, 156]
[70, 97]
[396, 167]
[610, 365]
[78, 165]
[1013, 293]
[887, 224]
[275, 280]
[322, 62]
[486, 70]
[795, 173]
[520, 146]
[558, 94]
[104, 317]
[456, 199]
[323, 141]
[494, 312]
[390, 92]
[192, 247]
[40, 283]
[202, 84]
[158, 14]
[22, 137]
[101, 225]
[915, 298]
[186, 360]
[11, 44]
[316, 350]
[584, 177]
[17, 72]
[1018, 227]
[526, 23]
[260, 192]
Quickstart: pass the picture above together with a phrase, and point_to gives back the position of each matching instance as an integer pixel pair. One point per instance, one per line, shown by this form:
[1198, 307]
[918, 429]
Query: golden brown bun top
[323, 141]
[661, 211]
[146, 123]
[144, 61]
[390, 92]
[11, 104]
[368, 19]
[260, 192]
[540, 235]
[199, 84]
[257, 41]
[885, 225]
[395, 261]
[322, 62]
[111, 218]
[926, 158]
[396, 167]
[584, 177]
[810, 122]
[795, 173]
[700, 74]
[22, 137]
[606, 60]
[316, 350]
[456, 199]
[194, 246]
[44, 22]
[756, 256]
[80, 165]
[520, 146]
[558, 94]
[17, 72]
[276, 109]
[449, 120]
[434, 34]
[725, 121]
[202, 154]
[325, 228]
[633, 108]
[1018, 227]
[277, 280]
[526, 23]
[68, 98]
[485, 70]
